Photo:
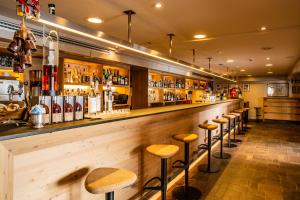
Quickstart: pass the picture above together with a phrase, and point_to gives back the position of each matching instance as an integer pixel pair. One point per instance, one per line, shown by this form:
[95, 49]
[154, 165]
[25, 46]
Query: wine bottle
[98, 98]
[68, 108]
[56, 111]
[92, 105]
[47, 111]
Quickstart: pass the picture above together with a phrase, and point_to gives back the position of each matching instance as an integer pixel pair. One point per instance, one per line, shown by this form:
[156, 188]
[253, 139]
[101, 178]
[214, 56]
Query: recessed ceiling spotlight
[249, 75]
[242, 70]
[263, 28]
[95, 20]
[266, 48]
[270, 72]
[269, 65]
[268, 58]
[158, 5]
[199, 36]
[224, 74]
[229, 61]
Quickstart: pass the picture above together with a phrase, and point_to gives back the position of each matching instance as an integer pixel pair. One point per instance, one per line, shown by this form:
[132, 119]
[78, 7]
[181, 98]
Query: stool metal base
[213, 168]
[192, 193]
[224, 155]
[231, 145]
[236, 140]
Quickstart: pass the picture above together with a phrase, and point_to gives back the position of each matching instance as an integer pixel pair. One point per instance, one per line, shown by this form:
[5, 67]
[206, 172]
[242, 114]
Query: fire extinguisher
[234, 93]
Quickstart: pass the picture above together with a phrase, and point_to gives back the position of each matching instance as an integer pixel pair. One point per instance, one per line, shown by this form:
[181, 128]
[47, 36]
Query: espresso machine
[12, 101]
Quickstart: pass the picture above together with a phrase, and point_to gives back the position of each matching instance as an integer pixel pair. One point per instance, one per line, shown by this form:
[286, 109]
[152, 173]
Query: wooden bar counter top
[53, 162]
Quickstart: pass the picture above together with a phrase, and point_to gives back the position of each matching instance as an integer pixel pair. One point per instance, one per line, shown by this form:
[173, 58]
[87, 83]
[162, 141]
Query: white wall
[255, 97]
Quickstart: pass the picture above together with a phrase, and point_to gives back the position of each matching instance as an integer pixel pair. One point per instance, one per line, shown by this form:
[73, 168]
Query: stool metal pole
[109, 196]
[229, 130]
[163, 178]
[221, 142]
[209, 150]
[187, 165]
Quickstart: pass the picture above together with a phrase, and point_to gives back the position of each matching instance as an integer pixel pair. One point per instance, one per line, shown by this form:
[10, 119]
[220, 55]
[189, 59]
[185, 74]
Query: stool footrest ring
[202, 146]
[152, 187]
[182, 164]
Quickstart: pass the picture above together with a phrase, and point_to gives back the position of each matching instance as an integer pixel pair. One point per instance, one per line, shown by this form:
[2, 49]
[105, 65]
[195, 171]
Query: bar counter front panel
[54, 165]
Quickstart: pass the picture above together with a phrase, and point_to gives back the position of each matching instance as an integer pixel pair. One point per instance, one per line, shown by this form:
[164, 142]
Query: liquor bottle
[78, 107]
[56, 111]
[98, 98]
[47, 111]
[92, 104]
[68, 108]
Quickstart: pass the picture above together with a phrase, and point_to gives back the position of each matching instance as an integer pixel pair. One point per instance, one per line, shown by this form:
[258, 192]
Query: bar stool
[246, 115]
[208, 168]
[221, 154]
[186, 191]
[230, 119]
[108, 180]
[163, 151]
[237, 121]
[241, 112]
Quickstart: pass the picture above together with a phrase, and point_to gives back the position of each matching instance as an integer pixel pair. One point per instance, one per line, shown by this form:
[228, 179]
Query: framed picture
[246, 87]
[278, 90]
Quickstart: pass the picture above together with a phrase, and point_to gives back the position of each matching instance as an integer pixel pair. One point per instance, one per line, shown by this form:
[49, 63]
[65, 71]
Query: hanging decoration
[22, 46]
[29, 9]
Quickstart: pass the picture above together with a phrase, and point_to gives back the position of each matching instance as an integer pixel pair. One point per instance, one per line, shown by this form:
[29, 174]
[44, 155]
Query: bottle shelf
[81, 84]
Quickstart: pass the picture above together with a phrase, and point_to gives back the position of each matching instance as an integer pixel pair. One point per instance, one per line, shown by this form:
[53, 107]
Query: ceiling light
[270, 72]
[200, 36]
[95, 20]
[263, 28]
[242, 70]
[268, 58]
[123, 46]
[224, 74]
[229, 61]
[158, 5]
[269, 65]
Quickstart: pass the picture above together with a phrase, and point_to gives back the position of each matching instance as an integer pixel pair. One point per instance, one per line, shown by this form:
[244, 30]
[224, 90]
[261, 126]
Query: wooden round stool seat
[246, 109]
[186, 137]
[106, 180]
[239, 111]
[162, 150]
[209, 127]
[229, 116]
[220, 120]
[235, 114]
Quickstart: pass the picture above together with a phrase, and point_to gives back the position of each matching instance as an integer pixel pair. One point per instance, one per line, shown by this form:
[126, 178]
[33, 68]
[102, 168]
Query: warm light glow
[269, 65]
[268, 58]
[200, 36]
[95, 20]
[224, 74]
[249, 75]
[75, 87]
[270, 72]
[242, 70]
[127, 47]
[188, 73]
[229, 61]
[263, 28]
[158, 5]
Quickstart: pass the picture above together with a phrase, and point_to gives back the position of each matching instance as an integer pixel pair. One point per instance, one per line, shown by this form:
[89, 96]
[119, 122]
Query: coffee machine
[11, 91]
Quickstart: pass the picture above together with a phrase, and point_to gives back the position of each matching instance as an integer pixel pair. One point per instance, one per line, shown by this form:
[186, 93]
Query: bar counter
[12, 132]
[52, 163]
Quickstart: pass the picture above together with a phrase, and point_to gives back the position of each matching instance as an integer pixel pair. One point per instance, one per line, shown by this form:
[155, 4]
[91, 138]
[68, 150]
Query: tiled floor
[266, 165]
